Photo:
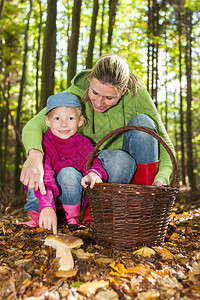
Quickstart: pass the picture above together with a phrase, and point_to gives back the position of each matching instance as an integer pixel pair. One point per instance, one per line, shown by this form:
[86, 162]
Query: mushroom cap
[63, 240]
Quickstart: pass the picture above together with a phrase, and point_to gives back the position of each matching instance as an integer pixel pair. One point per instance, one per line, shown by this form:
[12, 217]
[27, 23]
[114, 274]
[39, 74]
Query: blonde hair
[113, 69]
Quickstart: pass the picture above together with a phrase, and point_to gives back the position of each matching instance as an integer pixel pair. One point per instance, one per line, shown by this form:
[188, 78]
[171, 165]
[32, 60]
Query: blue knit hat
[62, 99]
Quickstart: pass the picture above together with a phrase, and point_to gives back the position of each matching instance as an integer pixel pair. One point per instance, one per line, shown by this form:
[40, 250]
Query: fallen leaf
[194, 271]
[135, 282]
[106, 295]
[140, 269]
[67, 273]
[77, 284]
[145, 252]
[103, 261]
[150, 295]
[165, 254]
[28, 254]
[81, 254]
[171, 244]
[175, 237]
[90, 288]
[4, 270]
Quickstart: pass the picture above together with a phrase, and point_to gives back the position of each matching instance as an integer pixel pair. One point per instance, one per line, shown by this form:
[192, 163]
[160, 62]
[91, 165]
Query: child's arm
[91, 178]
[48, 219]
[47, 209]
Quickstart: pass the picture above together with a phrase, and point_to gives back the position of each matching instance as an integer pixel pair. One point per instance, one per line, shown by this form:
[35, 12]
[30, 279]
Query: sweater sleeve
[32, 132]
[145, 105]
[52, 190]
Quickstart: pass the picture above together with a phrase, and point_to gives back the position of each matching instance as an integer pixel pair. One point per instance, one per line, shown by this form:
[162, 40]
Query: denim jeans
[141, 145]
[69, 181]
[138, 147]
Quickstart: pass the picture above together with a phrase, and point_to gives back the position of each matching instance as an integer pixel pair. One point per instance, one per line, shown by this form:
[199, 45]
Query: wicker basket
[127, 216]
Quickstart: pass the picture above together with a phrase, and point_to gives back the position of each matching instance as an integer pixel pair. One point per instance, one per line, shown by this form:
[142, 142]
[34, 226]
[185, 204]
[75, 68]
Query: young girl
[65, 156]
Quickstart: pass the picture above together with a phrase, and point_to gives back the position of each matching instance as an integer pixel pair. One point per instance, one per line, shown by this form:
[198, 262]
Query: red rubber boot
[146, 173]
[87, 218]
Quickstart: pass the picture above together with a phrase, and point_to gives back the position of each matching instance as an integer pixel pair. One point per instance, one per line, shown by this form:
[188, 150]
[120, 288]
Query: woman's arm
[32, 171]
[33, 131]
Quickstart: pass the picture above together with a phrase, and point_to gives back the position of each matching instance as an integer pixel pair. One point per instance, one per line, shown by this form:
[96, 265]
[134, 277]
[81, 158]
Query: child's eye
[57, 118]
[71, 118]
[94, 92]
[109, 98]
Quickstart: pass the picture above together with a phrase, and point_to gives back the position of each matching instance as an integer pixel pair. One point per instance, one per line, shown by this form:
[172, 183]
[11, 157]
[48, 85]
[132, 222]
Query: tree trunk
[38, 58]
[2, 5]
[183, 175]
[112, 14]
[73, 42]
[3, 139]
[89, 58]
[190, 162]
[102, 29]
[148, 46]
[153, 32]
[22, 83]
[49, 53]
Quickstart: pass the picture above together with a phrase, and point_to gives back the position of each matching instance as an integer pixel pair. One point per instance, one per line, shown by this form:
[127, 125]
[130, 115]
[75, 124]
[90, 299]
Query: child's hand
[48, 219]
[91, 178]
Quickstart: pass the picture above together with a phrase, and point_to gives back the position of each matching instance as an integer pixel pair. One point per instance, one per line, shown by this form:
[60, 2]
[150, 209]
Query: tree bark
[112, 14]
[102, 29]
[22, 83]
[183, 173]
[190, 161]
[89, 58]
[73, 42]
[2, 5]
[38, 58]
[49, 53]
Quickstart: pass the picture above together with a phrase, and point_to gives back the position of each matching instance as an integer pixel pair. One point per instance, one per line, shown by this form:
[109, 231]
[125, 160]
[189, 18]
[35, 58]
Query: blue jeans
[69, 181]
[142, 146]
[121, 165]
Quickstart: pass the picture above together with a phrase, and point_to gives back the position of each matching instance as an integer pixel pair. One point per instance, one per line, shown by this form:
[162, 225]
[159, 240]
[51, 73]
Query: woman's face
[103, 96]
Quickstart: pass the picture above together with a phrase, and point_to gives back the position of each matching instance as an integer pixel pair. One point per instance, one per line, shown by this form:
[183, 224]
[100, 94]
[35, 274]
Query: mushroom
[63, 245]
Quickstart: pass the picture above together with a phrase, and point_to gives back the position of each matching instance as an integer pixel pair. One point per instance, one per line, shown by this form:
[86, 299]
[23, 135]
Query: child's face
[64, 121]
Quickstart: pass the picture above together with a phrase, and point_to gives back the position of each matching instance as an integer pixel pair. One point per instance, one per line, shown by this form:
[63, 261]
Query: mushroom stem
[66, 259]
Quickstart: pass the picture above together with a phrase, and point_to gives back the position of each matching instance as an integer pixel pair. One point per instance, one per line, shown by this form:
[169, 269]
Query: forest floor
[28, 268]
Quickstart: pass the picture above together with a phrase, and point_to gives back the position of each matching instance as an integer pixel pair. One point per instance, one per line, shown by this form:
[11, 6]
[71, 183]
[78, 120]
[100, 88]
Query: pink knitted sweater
[61, 153]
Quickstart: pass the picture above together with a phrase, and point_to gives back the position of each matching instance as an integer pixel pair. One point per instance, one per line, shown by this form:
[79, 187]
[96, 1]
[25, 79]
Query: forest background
[44, 43]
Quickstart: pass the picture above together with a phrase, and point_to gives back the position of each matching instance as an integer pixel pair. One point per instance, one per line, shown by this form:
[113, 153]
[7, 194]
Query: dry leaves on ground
[29, 269]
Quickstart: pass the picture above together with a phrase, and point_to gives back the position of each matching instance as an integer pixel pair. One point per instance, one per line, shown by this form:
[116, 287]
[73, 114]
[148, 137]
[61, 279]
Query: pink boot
[35, 219]
[146, 173]
[72, 213]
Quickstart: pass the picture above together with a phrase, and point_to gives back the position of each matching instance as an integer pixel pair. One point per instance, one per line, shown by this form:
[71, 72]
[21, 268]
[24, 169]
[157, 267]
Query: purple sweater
[61, 153]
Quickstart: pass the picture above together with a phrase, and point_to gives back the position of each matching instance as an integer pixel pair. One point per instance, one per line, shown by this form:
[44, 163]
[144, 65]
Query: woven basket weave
[126, 216]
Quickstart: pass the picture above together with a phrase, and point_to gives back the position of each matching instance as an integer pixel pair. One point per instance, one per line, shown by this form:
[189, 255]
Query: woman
[111, 97]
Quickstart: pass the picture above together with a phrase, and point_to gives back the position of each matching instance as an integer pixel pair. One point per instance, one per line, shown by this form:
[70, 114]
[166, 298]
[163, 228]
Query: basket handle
[174, 181]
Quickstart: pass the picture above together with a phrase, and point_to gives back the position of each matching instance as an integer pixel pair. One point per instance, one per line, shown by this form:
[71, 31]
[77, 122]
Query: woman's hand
[48, 219]
[91, 178]
[158, 183]
[32, 172]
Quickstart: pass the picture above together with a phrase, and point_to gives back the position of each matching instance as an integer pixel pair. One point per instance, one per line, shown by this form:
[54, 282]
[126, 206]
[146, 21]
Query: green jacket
[99, 124]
